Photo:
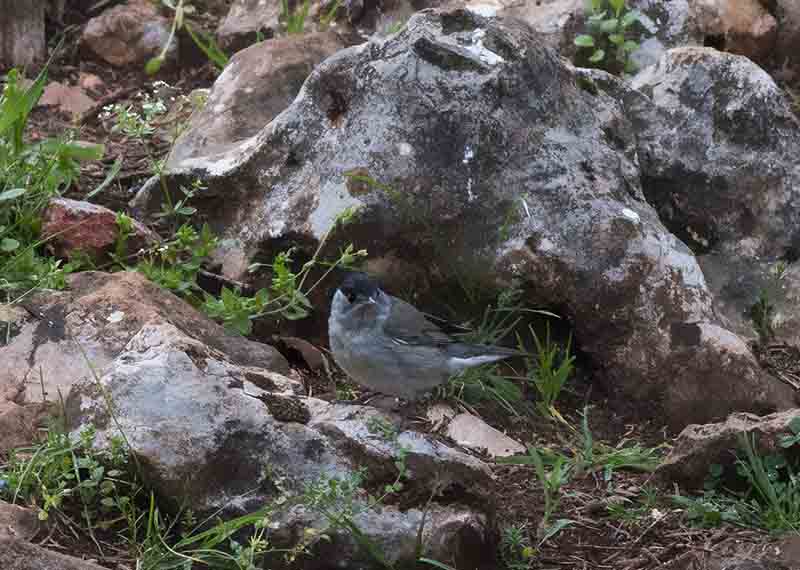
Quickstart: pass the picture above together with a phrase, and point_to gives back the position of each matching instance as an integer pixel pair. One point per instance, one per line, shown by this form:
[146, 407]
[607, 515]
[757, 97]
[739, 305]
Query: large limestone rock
[718, 146]
[16, 554]
[18, 522]
[63, 337]
[700, 446]
[129, 33]
[494, 160]
[662, 25]
[745, 27]
[718, 155]
[207, 435]
[257, 84]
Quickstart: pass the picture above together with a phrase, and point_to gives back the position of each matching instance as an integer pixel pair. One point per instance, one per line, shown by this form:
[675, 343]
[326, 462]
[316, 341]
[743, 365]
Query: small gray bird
[387, 345]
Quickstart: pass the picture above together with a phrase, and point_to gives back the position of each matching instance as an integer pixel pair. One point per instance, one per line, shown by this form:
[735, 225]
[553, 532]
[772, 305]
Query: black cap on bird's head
[358, 287]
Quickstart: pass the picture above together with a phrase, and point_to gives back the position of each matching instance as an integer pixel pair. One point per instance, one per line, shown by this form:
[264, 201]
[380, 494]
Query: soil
[658, 538]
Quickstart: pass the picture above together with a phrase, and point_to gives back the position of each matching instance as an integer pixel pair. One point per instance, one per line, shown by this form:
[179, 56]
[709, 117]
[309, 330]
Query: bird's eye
[350, 294]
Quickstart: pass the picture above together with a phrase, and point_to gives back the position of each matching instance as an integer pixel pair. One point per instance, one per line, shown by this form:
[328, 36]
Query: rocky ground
[654, 213]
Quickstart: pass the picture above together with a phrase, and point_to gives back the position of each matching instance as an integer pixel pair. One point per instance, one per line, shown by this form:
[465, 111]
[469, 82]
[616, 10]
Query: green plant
[124, 232]
[31, 174]
[285, 298]
[776, 485]
[140, 126]
[767, 493]
[206, 43]
[69, 480]
[295, 22]
[484, 383]
[787, 441]
[395, 27]
[609, 23]
[551, 480]
[379, 425]
[516, 550]
[762, 313]
[330, 15]
[632, 512]
[175, 264]
[591, 455]
[340, 500]
[550, 371]
[498, 320]
[162, 547]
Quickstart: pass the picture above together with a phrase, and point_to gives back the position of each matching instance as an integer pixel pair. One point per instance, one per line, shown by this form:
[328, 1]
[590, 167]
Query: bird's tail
[464, 350]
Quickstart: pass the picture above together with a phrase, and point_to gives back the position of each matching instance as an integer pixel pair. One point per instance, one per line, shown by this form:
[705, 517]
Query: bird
[387, 345]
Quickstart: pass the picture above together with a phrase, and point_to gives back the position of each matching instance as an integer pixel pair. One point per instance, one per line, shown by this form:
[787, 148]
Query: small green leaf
[554, 529]
[630, 45]
[794, 425]
[82, 150]
[617, 39]
[242, 324]
[630, 66]
[435, 564]
[629, 18]
[153, 65]
[584, 41]
[617, 5]
[609, 25]
[8, 244]
[598, 56]
[597, 17]
[11, 194]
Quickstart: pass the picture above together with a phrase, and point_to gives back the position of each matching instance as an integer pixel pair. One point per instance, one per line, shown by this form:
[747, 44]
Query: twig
[92, 113]
[243, 287]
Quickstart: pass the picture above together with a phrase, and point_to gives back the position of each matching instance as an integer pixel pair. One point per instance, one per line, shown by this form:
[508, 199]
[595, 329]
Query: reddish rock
[73, 226]
[16, 554]
[700, 446]
[258, 83]
[744, 26]
[129, 33]
[19, 424]
[90, 81]
[17, 522]
[70, 99]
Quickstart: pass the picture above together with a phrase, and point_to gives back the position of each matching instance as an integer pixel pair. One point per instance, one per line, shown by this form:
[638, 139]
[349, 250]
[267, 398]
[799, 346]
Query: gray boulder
[17, 554]
[494, 161]
[718, 144]
[700, 446]
[206, 436]
[662, 25]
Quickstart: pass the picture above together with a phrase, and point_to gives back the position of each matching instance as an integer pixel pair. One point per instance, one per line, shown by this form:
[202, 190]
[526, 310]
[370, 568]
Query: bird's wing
[406, 325]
